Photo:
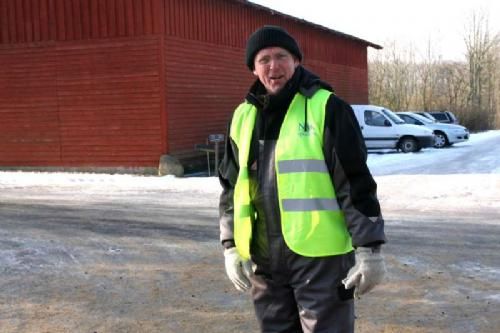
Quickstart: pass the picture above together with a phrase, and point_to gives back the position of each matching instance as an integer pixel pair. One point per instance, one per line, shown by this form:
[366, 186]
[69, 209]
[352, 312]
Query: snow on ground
[108, 182]
[454, 194]
[432, 161]
[458, 178]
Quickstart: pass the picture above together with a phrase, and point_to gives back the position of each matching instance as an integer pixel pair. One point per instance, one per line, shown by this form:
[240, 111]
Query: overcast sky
[443, 22]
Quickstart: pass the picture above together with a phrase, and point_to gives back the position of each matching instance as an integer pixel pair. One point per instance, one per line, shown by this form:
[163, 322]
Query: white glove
[367, 273]
[237, 269]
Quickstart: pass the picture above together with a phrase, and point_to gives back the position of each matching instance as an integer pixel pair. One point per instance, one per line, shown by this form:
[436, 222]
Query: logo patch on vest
[306, 129]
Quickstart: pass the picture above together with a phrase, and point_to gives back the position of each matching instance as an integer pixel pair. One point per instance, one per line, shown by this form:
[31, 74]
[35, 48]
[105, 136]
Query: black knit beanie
[268, 36]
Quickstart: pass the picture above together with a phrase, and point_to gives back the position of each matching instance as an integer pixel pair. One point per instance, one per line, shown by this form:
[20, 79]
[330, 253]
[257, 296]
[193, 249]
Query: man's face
[274, 66]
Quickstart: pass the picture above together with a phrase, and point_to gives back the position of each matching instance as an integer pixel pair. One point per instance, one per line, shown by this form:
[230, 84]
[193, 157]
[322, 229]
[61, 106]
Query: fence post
[215, 139]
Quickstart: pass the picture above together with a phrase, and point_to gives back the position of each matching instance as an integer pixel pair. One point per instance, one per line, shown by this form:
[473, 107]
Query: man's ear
[296, 62]
[255, 73]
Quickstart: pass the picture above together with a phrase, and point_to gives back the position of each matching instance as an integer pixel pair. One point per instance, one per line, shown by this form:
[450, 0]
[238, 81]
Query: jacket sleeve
[228, 173]
[345, 155]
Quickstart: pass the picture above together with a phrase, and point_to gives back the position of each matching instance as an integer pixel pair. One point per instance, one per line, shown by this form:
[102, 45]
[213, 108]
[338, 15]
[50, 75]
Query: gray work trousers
[296, 294]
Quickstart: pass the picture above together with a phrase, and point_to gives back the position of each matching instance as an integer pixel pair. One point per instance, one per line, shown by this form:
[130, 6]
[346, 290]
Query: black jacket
[345, 155]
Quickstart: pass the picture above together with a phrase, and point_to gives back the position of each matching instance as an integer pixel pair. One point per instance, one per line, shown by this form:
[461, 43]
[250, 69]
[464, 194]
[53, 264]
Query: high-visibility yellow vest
[311, 220]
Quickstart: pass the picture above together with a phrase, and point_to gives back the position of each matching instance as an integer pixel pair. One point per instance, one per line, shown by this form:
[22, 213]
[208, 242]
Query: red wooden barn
[119, 83]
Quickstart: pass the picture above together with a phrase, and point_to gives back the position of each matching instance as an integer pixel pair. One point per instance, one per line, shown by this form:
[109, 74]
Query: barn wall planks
[82, 104]
[29, 117]
[229, 23]
[206, 77]
[28, 21]
[203, 86]
[121, 82]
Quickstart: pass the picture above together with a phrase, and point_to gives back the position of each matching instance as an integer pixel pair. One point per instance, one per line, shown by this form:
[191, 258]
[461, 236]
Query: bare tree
[391, 77]
[428, 78]
[482, 58]
[471, 88]
[453, 85]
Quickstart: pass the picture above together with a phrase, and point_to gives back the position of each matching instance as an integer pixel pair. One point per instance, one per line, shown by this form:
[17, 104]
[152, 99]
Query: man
[298, 197]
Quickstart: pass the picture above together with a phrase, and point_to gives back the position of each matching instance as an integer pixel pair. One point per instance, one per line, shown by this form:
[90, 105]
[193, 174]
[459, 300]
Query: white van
[383, 129]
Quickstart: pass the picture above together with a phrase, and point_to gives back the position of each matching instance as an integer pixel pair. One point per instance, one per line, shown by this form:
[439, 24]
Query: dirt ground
[73, 261]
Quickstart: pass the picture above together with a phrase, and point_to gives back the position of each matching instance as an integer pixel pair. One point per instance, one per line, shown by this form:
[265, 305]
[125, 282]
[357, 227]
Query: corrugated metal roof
[314, 25]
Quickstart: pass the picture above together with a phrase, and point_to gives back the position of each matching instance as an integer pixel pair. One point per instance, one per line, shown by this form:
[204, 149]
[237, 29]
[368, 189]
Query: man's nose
[273, 64]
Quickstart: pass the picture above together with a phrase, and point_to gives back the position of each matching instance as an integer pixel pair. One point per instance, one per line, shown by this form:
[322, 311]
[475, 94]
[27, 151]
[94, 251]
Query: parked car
[382, 128]
[446, 134]
[444, 117]
[425, 114]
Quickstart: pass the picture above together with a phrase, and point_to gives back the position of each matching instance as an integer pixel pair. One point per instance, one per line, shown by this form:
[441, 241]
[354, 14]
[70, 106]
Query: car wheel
[408, 145]
[440, 140]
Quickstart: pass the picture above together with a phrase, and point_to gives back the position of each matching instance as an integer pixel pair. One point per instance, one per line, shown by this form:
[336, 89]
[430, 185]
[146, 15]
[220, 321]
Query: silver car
[445, 134]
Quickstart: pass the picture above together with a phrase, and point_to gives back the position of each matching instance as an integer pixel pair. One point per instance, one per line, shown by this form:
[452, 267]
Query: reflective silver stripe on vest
[302, 166]
[304, 205]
